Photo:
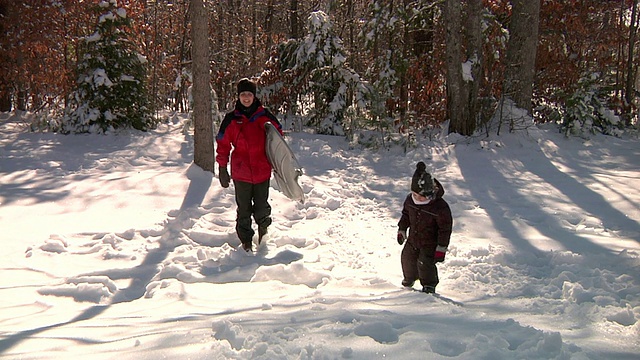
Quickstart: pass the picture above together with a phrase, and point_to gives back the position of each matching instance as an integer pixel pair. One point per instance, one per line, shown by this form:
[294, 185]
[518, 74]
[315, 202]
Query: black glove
[402, 236]
[439, 254]
[224, 177]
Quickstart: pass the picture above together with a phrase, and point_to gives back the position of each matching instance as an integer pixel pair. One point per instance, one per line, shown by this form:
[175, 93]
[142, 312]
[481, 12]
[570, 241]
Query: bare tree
[515, 107]
[473, 64]
[521, 53]
[457, 107]
[632, 68]
[294, 21]
[201, 92]
[463, 79]
[5, 90]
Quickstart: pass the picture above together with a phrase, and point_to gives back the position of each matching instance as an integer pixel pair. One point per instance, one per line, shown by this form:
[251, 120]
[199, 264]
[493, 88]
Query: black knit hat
[246, 85]
[422, 182]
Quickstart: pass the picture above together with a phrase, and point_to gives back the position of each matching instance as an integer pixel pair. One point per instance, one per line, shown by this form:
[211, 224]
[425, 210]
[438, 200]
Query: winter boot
[408, 284]
[262, 231]
[429, 289]
[247, 246]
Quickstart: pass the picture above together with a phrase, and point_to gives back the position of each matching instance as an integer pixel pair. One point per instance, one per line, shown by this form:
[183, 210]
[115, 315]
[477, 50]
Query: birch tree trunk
[202, 118]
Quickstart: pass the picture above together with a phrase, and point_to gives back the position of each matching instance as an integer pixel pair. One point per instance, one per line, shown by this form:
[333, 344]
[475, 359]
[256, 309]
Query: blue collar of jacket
[259, 112]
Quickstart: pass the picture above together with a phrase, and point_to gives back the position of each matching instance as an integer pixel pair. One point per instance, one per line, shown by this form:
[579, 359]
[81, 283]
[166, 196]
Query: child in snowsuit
[243, 131]
[428, 217]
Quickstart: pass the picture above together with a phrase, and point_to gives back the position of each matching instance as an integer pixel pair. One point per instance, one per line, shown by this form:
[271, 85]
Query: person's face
[246, 98]
[419, 197]
[422, 198]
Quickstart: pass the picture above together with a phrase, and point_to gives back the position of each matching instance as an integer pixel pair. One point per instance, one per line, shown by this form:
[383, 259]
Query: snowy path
[117, 247]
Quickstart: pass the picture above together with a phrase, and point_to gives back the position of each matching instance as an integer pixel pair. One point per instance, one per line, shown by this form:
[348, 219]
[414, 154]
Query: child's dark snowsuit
[429, 227]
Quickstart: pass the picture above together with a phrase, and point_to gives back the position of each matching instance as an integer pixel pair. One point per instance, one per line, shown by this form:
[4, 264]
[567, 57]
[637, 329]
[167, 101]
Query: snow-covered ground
[117, 247]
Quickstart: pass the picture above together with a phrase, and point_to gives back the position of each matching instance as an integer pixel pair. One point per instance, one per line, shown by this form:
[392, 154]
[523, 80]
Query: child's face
[246, 98]
[421, 197]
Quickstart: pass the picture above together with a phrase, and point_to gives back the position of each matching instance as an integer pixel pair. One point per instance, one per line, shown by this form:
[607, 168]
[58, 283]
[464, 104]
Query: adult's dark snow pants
[252, 200]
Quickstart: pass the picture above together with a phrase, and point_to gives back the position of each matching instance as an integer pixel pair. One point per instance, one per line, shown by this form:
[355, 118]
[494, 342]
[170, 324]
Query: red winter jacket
[243, 131]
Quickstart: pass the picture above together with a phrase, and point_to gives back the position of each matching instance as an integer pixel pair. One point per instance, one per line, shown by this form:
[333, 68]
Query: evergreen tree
[586, 111]
[383, 71]
[321, 59]
[110, 91]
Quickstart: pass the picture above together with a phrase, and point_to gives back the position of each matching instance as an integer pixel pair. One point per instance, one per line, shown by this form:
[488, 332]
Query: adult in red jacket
[242, 137]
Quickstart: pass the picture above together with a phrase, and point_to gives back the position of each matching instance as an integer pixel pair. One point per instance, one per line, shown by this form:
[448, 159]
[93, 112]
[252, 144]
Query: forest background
[345, 66]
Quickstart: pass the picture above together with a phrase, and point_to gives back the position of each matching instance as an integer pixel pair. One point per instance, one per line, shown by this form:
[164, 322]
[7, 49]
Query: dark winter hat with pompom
[422, 182]
[246, 85]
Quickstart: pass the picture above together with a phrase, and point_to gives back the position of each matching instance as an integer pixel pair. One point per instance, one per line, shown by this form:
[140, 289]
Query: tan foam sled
[286, 169]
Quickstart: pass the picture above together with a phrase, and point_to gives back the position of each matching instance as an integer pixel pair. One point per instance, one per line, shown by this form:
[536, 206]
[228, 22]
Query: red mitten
[440, 253]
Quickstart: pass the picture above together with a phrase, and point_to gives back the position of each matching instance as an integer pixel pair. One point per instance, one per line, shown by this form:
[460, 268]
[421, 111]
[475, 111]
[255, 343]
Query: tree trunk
[5, 89]
[474, 61]
[202, 118]
[521, 53]
[293, 20]
[631, 67]
[268, 24]
[403, 83]
[456, 104]
[254, 36]
[5, 98]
